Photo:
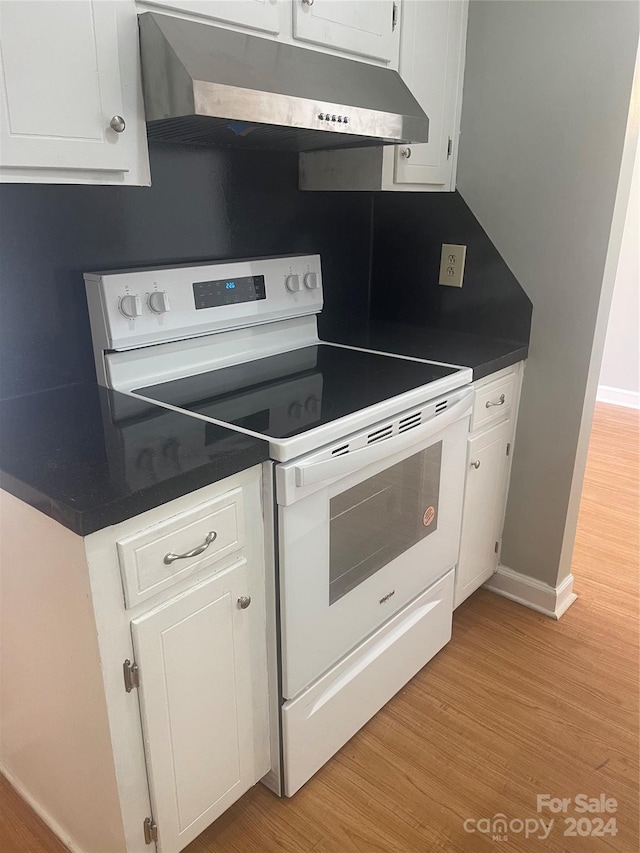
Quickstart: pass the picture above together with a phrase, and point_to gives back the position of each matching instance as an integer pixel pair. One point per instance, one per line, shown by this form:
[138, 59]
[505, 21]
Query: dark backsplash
[208, 203]
[205, 203]
[409, 230]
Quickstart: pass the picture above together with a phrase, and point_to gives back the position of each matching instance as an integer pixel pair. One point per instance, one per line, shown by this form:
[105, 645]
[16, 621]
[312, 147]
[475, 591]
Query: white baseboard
[42, 813]
[619, 396]
[552, 601]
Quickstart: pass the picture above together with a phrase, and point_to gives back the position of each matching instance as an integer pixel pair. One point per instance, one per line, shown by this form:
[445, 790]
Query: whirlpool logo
[387, 596]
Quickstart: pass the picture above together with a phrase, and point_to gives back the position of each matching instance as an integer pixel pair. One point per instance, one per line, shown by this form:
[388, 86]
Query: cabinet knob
[244, 601]
[118, 124]
[476, 464]
[406, 153]
[307, 2]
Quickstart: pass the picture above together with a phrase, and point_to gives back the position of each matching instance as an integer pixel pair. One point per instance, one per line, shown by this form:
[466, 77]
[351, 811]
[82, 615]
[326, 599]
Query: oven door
[365, 526]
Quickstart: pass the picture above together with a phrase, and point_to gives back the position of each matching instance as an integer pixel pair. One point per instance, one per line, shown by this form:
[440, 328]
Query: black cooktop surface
[287, 394]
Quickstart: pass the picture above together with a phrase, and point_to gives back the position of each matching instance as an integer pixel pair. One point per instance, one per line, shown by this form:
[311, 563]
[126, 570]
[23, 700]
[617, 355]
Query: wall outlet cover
[452, 264]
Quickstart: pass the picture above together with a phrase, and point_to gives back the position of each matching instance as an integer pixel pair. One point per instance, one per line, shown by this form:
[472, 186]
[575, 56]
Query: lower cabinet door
[193, 654]
[484, 501]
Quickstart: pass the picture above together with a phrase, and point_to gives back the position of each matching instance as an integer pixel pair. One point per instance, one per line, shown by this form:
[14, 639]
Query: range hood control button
[130, 305]
[311, 280]
[158, 301]
[292, 283]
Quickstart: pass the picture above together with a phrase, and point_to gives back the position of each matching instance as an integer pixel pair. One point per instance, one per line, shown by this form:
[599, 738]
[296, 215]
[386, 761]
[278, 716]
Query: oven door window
[380, 518]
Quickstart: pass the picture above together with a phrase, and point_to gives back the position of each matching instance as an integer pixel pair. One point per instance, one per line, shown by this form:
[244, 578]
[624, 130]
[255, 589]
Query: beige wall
[620, 371]
[545, 107]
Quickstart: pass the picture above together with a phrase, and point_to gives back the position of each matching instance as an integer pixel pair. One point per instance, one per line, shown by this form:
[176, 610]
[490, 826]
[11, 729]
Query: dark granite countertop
[483, 355]
[90, 458]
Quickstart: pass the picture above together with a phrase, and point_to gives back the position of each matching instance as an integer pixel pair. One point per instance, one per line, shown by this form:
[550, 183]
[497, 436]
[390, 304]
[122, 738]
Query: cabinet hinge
[497, 545]
[394, 16]
[150, 830]
[131, 675]
[508, 448]
[449, 147]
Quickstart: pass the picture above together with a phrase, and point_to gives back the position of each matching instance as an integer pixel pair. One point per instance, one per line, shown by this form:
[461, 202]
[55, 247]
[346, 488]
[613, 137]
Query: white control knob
[292, 283]
[130, 305]
[158, 301]
[311, 280]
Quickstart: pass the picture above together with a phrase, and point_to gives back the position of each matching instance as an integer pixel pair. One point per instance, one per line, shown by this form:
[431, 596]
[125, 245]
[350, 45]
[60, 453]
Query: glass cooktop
[287, 394]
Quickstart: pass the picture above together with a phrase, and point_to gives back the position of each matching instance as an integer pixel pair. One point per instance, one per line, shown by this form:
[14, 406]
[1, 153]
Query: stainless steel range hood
[204, 84]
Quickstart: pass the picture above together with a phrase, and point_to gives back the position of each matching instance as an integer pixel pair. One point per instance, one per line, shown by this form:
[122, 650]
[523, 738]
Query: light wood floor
[514, 706]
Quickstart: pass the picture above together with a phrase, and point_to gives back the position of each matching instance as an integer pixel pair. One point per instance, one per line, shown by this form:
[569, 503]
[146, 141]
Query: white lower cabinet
[166, 723]
[485, 493]
[196, 698]
[489, 454]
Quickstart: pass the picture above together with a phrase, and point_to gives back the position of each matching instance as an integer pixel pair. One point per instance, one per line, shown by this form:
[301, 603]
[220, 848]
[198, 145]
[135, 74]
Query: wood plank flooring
[516, 705]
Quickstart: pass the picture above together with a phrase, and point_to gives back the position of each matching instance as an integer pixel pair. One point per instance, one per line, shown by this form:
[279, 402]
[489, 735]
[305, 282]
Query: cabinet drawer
[492, 402]
[159, 556]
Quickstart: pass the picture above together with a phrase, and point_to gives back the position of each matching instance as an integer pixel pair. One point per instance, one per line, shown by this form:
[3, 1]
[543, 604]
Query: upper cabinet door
[362, 27]
[61, 88]
[431, 64]
[71, 102]
[261, 15]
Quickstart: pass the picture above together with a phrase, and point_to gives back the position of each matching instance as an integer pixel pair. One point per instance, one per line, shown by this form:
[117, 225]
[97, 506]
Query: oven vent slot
[410, 422]
[441, 406]
[340, 451]
[380, 434]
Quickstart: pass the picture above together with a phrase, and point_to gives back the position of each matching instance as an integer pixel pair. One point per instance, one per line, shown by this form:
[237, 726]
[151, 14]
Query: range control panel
[132, 308]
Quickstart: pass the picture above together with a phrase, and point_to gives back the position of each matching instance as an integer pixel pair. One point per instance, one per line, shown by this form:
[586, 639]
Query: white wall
[544, 117]
[620, 371]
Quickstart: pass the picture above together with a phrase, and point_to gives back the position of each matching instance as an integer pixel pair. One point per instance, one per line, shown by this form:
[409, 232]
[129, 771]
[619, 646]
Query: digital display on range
[228, 291]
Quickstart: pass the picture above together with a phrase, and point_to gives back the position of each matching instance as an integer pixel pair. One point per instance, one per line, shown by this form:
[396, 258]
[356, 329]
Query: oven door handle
[328, 469]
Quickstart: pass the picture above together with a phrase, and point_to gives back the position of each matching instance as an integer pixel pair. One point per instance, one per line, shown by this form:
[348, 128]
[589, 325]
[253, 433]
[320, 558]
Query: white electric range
[368, 455]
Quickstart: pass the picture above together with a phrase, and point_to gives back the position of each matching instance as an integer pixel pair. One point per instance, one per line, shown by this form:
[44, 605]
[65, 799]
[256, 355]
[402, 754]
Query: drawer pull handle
[500, 402]
[244, 601]
[171, 558]
[476, 464]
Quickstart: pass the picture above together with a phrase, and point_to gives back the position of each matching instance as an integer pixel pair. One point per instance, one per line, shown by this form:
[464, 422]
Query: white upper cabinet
[361, 27]
[261, 15]
[71, 107]
[432, 49]
[431, 64]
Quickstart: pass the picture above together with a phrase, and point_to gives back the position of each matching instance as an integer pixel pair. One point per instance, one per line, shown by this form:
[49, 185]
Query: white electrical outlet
[452, 264]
